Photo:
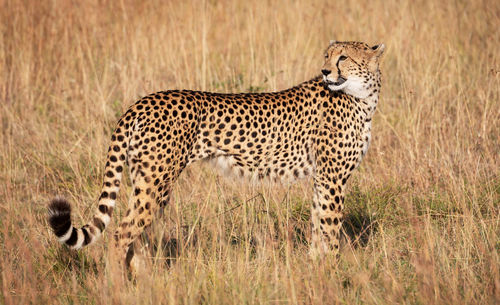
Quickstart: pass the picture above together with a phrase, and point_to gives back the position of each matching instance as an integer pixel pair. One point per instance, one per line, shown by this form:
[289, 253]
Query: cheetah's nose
[326, 72]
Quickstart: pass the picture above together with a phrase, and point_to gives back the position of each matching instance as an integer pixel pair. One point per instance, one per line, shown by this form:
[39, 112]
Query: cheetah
[319, 128]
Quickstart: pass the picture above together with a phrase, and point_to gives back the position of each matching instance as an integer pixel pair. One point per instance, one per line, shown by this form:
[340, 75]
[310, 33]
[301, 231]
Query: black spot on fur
[99, 224]
[86, 241]
[73, 238]
[103, 208]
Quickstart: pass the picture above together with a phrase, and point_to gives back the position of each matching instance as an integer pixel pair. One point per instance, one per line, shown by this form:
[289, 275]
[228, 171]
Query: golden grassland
[422, 210]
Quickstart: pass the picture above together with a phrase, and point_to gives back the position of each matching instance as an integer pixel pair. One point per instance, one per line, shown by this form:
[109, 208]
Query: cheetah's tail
[60, 210]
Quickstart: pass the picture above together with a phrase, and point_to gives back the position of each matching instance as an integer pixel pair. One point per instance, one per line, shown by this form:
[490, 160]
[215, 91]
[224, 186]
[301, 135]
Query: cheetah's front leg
[326, 216]
[328, 203]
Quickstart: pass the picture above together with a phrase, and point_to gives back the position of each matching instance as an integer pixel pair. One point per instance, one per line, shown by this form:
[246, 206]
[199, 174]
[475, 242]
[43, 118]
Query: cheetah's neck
[368, 106]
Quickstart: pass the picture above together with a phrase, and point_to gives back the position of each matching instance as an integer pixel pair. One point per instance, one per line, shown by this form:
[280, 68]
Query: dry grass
[423, 208]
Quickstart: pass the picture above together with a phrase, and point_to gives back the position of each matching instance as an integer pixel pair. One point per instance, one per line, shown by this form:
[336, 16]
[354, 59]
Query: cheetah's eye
[342, 57]
[326, 55]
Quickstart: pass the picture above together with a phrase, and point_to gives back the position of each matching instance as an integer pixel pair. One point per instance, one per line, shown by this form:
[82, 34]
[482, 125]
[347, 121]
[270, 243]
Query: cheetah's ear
[332, 41]
[378, 49]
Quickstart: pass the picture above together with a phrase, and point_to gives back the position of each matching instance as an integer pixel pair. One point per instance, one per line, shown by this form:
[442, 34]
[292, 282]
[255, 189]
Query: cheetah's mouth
[339, 81]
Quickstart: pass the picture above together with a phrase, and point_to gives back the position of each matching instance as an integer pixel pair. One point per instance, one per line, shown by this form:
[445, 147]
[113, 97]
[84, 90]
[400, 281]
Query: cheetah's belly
[285, 170]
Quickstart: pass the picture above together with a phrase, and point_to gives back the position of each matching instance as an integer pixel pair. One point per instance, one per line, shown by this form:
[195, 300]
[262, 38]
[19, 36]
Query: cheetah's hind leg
[141, 210]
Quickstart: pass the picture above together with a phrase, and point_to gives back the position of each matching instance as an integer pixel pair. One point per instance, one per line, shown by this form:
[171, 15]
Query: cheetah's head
[352, 67]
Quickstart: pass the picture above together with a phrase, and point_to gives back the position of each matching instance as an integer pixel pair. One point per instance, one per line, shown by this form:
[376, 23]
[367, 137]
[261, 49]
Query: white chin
[351, 87]
[337, 88]
[356, 89]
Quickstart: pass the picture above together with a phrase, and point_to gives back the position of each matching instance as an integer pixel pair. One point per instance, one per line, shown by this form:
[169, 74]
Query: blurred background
[422, 210]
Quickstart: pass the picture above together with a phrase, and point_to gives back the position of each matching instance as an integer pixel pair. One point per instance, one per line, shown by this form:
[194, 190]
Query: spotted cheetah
[319, 128]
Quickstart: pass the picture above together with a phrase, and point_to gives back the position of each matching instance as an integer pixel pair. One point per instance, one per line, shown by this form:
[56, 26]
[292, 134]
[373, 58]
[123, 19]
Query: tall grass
[423, 210]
